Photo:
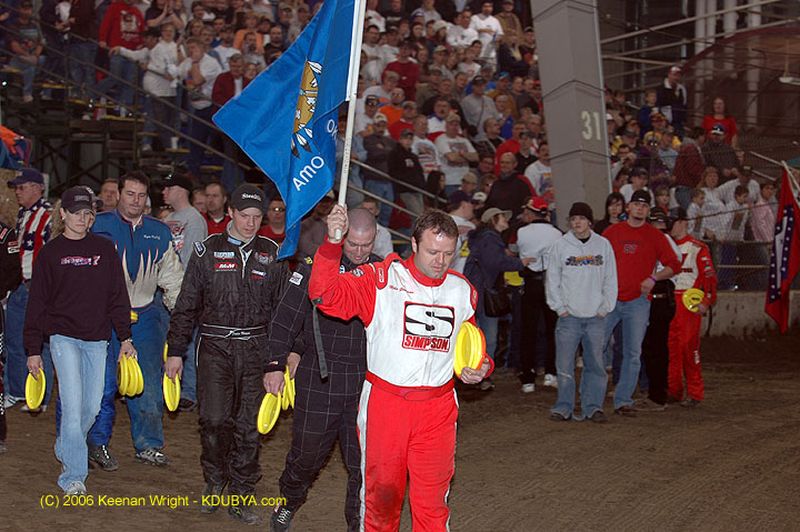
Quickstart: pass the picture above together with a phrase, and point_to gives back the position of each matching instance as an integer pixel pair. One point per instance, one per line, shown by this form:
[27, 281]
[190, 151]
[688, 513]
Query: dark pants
[229, 391]
[534, 308]
[201, 132]
[2, 394]
[655, 350]
[324, 412]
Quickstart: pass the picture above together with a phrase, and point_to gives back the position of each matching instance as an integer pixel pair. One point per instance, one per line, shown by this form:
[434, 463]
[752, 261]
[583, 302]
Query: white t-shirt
[462, 250]
[428, 156]
[209, 69]
[481, 22]
[453, 172]
[541, 177]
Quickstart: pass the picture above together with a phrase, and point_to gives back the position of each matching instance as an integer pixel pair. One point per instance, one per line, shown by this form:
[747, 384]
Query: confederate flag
[785, 259]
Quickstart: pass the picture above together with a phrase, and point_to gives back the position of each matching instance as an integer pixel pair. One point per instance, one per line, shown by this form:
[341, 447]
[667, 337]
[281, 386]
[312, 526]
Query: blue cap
[27, 175]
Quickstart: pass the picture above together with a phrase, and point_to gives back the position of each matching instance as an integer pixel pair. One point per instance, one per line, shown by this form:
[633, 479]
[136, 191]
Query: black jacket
[342, 341]
[404, 165]
[227, 283]
[10, 267]
[508, 193]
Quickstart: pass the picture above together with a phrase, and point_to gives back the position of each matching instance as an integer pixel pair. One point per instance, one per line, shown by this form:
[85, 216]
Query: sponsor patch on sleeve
[199, 248]
[296, 278]
[13, 247]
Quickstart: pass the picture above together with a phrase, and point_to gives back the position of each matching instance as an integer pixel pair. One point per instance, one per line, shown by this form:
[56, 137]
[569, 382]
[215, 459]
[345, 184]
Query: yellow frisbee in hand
[692, 299]
[34, 389]
[123, 376]
[172, 392]
[136, 382]
[268, 413]
[470, 348]
[166, 346]
[292, 391]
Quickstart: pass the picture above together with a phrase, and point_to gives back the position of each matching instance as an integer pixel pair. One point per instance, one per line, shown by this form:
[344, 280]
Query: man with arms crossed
[408, 410]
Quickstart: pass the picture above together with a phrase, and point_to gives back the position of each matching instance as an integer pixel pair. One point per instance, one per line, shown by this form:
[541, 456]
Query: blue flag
[286, 119]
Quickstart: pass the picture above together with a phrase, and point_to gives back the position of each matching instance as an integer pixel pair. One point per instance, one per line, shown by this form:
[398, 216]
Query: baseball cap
[78, 198]
[478, 80]
[641, 196]
[246, 196]
[453, 117]
[380, 117]
[609, 116]
[718, 129]
[470, 178]
[503, 75]
[371, 99]
[675, 68]
[406, 133]
[27, 175]
[479, 197]
[439, 48]
[178, 179]
[657, 216]
[490, 213]
[536, 204]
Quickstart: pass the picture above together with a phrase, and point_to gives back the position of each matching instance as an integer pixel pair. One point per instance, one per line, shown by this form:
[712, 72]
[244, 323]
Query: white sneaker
[75, 488]
[10, 401]
[550, 380]
[528, 388]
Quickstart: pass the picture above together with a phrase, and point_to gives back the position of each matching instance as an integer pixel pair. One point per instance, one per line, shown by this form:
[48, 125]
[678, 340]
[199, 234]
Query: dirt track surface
[731, 464]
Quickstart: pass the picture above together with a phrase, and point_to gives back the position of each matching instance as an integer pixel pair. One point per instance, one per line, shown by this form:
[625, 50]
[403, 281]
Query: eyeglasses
[278, 209]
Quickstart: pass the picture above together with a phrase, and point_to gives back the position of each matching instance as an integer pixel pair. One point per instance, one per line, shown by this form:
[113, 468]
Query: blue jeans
[16, 370]
[385, 190]
[232, 174]
[589, 332]
[81, 63]
[145, 410]
[121, 69]
[634, 316]
[200, 132]
[489, 327]
[683, 195]
[80, 366]
[28, 73]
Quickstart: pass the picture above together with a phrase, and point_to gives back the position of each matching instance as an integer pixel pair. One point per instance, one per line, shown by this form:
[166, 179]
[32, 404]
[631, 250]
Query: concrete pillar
[572, 88]
[753, 75]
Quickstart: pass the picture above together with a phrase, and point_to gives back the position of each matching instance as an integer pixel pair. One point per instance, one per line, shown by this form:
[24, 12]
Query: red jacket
[122, 25]
[689, 166]
[225, 89]
[697, 269]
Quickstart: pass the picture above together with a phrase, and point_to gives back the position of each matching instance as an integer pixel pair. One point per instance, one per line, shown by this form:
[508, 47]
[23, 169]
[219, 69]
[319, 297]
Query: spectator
[489, 31]
[435, 185]
[469, 183]
[615, 206]
[509, 187]
[526, 155]
[297, 27]
[719, 116]
[371, 49]
[407, 70]
[313, 229]
[81, 46]
[647, 110]
[455, 152]
[582, 290]
[672, 99]
[695, 214]
[505, 115]
[745, 179]
[226, 86]
[484, 268]
[509, 146]
[637, 246]
[406, 120]
[460, 35]
[225, 48]
[274, 227]
[490, 140]
[276, 43]
[364, 120]
[404, 165]
[639, 179]
[26, 44]
[199, 71]
[186, 223]
[719, 154]
[396, 12]
[424, 148]
[394, 109]
[109, 194]
[509, 22]
[462, 210]
[662, 199]
[469, 66]
[250, 26]
[689, 166]
[762, 217]
[383, 239]
[737, 216]
[534, 241]
[216, 215]
[161, 12]
[714, 212]
[252, 53]
[540, 176]
[122, 26]
[378, 146]
[427, 12]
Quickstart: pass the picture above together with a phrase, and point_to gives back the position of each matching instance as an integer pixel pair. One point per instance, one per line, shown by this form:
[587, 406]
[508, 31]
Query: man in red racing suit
[697, 271]
[412, 311]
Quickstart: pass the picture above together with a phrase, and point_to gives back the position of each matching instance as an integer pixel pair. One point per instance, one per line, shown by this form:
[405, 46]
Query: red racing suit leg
[406, 431]
[684, 353]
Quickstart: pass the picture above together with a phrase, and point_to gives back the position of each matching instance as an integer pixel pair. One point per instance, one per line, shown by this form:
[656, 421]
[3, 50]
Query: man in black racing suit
[231, 289]
[328, 380]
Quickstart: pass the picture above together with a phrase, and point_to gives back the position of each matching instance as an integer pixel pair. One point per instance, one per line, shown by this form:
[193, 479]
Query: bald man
[329, 376]
[508, 193]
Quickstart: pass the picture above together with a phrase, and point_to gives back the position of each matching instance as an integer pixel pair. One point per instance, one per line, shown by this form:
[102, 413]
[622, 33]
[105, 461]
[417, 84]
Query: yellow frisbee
[292, 391]
[136, 382]
[172, 392]
[692, 299]
[34, 389]
[166, 346]
[123, 376]
[268, 413]
[470, 347]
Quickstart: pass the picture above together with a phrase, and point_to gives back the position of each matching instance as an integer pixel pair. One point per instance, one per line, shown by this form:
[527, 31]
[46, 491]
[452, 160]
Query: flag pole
[352, 93]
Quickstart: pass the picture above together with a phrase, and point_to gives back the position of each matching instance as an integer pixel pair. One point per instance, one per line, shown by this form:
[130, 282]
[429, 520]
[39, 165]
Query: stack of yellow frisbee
[692, 299]
[34, 390]
[470, 348]
[172, 392]
[272, 405]
[130, 380]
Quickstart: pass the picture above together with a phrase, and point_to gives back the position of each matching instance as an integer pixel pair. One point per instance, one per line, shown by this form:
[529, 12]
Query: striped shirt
[33, 230]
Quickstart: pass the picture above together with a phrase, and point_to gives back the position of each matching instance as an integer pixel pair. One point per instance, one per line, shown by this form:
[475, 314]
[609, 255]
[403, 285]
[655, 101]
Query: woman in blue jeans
[488, 258]
[77, 294]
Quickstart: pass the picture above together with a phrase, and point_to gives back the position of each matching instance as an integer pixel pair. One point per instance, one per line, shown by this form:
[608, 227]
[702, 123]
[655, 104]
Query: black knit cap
[582, 209]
